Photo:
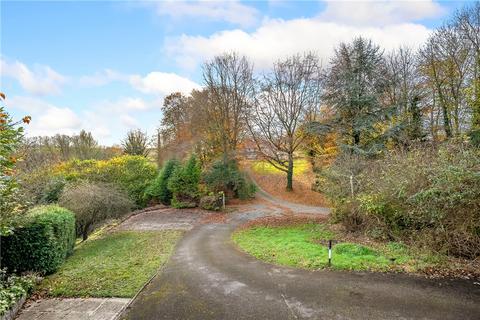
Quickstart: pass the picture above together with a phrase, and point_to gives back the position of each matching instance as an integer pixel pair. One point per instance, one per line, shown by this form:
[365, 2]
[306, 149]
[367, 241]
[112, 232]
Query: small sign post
[329, 253]
[329, 243]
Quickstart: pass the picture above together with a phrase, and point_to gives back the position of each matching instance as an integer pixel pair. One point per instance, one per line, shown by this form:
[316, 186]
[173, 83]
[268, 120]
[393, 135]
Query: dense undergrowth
[429, 197]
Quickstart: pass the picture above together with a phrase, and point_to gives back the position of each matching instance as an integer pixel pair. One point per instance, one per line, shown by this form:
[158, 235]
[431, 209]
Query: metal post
[223, 200]
[329, 253]
[351, 186]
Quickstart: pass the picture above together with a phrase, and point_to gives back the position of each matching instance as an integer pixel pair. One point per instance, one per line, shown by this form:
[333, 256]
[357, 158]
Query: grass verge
[303, 246]
[114, 265]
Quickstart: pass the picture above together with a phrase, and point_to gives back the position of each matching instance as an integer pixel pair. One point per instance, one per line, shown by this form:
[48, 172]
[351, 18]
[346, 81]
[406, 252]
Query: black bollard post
[329, 253]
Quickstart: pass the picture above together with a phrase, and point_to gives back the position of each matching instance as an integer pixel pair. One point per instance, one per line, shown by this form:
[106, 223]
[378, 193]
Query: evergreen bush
[184, 184]
[41, 241]
[158, 190]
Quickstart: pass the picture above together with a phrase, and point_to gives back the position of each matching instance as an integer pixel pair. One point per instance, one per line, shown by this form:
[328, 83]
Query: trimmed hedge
[41, 242]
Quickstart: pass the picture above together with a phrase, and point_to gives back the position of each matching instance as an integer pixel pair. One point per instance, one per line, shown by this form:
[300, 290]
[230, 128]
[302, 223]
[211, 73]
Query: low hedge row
[40, 242]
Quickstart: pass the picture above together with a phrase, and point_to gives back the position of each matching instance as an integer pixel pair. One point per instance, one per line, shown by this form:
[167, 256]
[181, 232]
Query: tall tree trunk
[85, 231]
[159, 147]
[475, 128]
[416, 120]
[356, 138]
[446, 121]
[476, 101]
[290, 172]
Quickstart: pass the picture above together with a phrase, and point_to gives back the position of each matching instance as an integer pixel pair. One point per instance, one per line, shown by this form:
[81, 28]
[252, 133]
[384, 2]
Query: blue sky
[106, 66]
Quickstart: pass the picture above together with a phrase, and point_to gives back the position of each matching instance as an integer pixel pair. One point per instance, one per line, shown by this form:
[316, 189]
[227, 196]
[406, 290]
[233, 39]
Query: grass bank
[274, 181]
[300, 166]
[304, 246]
[115, 264]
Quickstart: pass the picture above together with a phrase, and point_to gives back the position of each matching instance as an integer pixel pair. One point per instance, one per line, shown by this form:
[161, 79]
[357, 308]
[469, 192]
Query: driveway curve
[209, 278]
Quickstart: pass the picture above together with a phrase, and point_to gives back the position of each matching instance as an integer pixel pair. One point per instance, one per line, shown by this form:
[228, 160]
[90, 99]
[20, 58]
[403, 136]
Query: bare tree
[467, 21]
[85, 146]
[287, 98]
[229, 81]
[405, 93]
[136, 143]
[64, 145]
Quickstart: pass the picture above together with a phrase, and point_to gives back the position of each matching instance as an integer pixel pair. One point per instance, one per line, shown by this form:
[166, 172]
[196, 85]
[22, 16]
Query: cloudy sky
[106, 66]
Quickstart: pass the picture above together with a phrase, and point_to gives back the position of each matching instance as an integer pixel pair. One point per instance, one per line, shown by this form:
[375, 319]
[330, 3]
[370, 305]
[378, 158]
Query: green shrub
[13, 288]
[428, 196]
[130, 173]
[41, 242]
[158, 189]
[53, 190]
[10, 137]
[227, 177]
[212, 202]
[184, 184]
[93, 203]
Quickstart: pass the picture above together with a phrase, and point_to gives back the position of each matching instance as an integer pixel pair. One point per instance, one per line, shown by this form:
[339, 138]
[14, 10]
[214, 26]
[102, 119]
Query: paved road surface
[209, 278]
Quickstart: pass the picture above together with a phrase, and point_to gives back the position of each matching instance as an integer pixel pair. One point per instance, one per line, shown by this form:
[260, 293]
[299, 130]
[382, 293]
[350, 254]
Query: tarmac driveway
[209, 278]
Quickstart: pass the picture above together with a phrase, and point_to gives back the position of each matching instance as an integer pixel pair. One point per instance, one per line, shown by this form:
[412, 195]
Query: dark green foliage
[10, 136]
[475, 137]
[158, 189]
[53, 190]
[41, 242]
[184, 184]
[136, 143]
[227, 177]
[212, 202]
[354, 88]
[93, 203]
[13, 288]
[431, 197]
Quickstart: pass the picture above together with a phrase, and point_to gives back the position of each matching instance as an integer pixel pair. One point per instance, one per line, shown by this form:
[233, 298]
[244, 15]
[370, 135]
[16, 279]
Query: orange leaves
[27, 119]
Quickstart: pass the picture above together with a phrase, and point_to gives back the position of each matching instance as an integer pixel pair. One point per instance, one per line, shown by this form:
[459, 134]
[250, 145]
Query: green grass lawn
[113, 265]
[300, 166]
[302, 247]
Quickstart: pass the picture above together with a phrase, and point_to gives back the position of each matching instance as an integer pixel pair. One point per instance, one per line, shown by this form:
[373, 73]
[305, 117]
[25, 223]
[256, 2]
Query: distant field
[300, 166]
[274, 181]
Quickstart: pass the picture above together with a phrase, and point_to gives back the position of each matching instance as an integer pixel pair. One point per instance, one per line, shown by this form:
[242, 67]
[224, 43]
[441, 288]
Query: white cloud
[162, 83]
[230, 11]
[380, 12]
[47, 119]
[102, 78]
[42, 80]
[278, 38]
[129, 121]
[124, 104]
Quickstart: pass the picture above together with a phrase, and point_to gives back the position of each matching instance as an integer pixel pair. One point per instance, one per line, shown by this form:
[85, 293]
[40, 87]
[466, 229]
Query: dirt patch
[219, 217]
[165, 218]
